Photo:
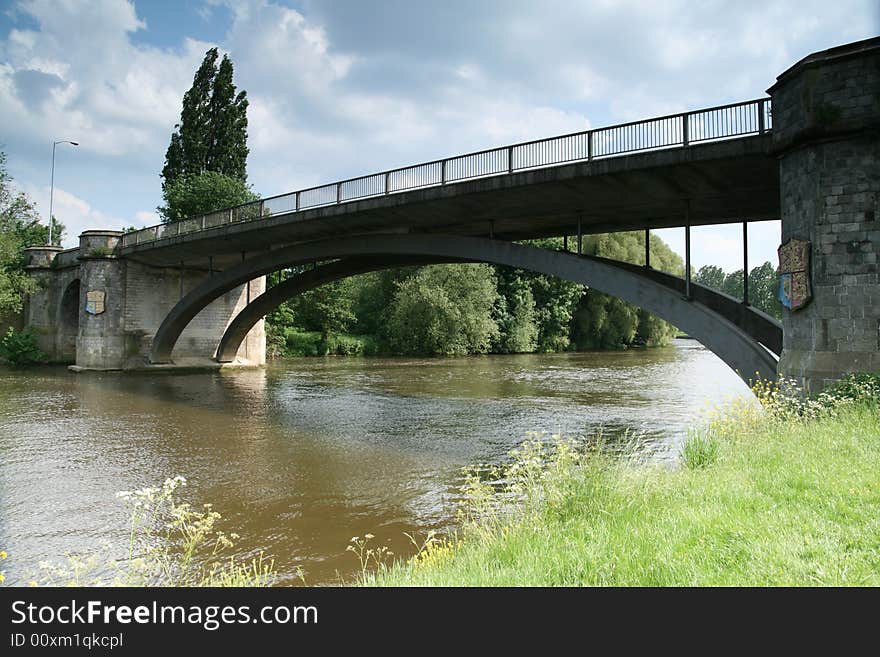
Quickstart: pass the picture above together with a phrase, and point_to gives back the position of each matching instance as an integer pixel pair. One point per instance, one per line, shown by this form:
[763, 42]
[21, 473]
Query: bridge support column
[42, 306]
[100, 342]
[826, 121]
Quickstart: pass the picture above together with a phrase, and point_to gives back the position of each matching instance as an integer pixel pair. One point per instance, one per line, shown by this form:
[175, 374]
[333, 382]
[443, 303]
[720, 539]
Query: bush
[19, 348]
[784, 399]
[302, 343]
[862, 388]
[352, 345]
[444, 310]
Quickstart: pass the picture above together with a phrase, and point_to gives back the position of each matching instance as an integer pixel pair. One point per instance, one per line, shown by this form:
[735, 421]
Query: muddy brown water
[307, 453]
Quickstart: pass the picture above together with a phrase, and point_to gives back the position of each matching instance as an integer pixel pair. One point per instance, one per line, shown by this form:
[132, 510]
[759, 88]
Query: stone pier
[826, 132]
[97, 311]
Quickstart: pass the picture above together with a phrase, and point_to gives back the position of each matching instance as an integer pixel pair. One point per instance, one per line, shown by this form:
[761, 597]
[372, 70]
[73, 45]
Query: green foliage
[515, 313]
[19, 348]
[20, 227]
[309, 343]
[763, 285]
[278, 322]
[785, 401]
[605, 322]
[763, 289]
[858, 388]
[100, 252]
[352, 345]
[444, 310]
[202, 193]
[710, 276]
[373, 295]
[555, 302]
[327, 309]
[211, 136]
[412, 310]
[302, 343]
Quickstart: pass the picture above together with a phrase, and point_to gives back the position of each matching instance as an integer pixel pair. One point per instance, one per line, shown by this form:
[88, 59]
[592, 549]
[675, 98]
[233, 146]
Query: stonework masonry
[136, 298]
[826, 118]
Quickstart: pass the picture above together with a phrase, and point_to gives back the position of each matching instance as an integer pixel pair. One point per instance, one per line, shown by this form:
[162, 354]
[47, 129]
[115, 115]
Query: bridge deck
[724, 181]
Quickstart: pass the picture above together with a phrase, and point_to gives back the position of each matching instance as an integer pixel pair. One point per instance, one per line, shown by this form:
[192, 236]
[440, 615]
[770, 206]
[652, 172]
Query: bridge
[187, 291]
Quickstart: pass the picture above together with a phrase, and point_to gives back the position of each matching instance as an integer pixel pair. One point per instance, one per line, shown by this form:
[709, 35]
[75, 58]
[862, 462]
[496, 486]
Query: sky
[341, 88]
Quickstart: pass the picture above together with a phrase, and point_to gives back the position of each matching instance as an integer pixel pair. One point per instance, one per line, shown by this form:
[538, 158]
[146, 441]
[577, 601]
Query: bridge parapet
[681, 130]
[41, 257]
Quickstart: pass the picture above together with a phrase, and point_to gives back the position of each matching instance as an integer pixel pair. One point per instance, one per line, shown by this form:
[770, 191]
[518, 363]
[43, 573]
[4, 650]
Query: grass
[787, 496]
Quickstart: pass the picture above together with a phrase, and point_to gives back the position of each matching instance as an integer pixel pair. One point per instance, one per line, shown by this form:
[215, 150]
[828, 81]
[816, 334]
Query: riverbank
[763, 498]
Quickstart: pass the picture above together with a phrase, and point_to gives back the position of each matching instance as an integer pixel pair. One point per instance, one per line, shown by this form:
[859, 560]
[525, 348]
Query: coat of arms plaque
[95, 302]
[794, 274]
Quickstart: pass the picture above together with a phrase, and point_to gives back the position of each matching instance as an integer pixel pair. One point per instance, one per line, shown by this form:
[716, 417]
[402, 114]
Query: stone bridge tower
[826, 132]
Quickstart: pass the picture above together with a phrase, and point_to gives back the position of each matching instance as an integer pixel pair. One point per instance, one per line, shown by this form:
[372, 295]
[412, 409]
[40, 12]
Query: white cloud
[78, 215]
[722, 245]
[340, 89]
[116, 98]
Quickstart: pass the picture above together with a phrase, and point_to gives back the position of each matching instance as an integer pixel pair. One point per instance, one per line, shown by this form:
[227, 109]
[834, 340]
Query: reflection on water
[304, 455]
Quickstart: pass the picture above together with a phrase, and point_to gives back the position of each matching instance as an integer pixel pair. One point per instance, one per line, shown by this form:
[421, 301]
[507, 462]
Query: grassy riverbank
[785, 496]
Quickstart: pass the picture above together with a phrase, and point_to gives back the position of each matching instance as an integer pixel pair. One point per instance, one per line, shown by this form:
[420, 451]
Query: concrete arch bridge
[809, 154]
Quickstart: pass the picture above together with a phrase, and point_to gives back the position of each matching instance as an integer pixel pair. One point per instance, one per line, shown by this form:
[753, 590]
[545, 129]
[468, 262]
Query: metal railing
[675, 130]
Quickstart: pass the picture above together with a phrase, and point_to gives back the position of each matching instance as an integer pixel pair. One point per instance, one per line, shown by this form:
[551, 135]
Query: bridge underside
[720, 182]
[744, 338]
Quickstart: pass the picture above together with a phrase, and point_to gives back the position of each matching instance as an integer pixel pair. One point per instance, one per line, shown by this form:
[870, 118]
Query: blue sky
[341, 88]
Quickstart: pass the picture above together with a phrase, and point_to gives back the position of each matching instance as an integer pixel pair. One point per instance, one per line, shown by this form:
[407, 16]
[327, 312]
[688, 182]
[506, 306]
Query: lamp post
[52, 185]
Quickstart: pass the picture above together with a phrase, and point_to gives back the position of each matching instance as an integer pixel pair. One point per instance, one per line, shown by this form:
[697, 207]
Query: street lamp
[52, 187]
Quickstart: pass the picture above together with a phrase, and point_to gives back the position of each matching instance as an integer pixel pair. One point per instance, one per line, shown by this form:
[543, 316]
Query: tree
[211, 135]
[763, 290]
[515, 313]
[19, 227]
[373, 295]
[733, 284]
[554, 298]
[444, 310]
[710, 276]
[604, 322]
[327, 308]
[190, 196]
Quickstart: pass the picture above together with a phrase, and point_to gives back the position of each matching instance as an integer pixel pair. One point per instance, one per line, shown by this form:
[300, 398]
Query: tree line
[464, 309]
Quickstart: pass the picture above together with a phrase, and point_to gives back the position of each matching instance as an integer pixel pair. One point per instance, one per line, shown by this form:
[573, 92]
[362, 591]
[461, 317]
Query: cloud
[722, 245]
[76, 214]
[80, 74]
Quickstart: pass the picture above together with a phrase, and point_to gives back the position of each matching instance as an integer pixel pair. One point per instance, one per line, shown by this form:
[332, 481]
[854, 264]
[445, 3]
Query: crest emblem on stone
[794, 274]
[95, 302]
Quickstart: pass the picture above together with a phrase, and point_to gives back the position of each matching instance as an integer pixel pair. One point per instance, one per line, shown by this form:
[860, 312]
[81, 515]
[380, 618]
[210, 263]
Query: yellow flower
[2, 578]
[3, 554]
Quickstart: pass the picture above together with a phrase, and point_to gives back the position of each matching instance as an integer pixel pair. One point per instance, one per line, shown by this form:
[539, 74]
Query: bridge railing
[674, 130]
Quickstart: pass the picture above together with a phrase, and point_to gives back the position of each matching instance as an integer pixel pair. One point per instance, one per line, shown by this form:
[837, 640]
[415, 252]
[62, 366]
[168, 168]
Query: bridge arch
[718, 330]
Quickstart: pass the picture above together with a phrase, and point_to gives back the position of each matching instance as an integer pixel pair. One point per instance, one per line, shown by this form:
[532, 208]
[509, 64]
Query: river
[307, 453]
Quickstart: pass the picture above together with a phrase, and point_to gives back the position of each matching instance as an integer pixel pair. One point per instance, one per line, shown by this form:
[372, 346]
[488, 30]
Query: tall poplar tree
[211, 137]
